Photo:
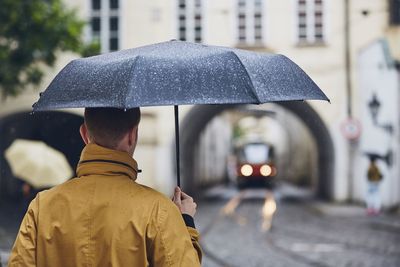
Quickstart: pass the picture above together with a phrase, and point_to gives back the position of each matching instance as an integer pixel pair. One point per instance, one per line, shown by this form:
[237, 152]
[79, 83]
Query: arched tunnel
[198, 117]
[57, 129]
[60, 130]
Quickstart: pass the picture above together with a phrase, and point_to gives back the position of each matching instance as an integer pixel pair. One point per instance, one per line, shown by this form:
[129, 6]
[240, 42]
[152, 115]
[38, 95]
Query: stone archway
[198, 117]
[57, 129]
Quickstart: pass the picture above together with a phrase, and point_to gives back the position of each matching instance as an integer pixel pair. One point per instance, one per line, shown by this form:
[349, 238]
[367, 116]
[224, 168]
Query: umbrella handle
[178, 171]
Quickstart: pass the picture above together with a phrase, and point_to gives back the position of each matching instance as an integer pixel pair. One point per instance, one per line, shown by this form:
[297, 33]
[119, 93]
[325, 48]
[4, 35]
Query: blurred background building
[350, 48]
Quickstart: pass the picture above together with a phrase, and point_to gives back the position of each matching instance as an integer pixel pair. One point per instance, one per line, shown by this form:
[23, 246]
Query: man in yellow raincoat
[103, 217]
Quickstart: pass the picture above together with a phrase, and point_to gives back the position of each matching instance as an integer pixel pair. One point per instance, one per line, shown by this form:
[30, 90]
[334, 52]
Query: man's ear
[84, 133]
[133, 136]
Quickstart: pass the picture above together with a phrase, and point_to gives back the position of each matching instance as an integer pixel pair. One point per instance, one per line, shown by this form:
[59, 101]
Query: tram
[255, 165]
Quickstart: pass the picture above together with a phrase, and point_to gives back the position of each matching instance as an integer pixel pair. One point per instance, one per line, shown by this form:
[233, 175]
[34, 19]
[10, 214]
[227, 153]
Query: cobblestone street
[303, 233]
[235, 232]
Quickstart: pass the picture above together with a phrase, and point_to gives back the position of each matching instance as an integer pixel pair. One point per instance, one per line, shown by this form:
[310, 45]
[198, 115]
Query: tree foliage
[31, 34]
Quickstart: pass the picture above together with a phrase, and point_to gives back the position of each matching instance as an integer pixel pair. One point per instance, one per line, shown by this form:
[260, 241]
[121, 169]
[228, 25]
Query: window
[394, 10]
[310, 17]
[114, 4]
[96, 25]
[255, 153]
[113, 24]
[258, 36]
[105, 24]
[250, 19]
[113, 44]
[96, 4]
[190, 26]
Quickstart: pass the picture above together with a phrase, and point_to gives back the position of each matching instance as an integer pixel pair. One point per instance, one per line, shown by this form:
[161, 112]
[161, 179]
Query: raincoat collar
[98, 160]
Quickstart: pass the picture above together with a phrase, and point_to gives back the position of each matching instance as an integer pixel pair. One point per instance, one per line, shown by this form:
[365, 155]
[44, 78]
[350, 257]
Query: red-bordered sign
[351, 129]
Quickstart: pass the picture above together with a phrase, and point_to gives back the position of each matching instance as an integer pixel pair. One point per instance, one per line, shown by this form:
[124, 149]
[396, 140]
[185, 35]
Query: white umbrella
[37, 163]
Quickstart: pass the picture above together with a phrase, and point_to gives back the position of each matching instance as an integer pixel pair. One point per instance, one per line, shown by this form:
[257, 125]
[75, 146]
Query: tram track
[227, 210]
[306, 236]
[345, 244]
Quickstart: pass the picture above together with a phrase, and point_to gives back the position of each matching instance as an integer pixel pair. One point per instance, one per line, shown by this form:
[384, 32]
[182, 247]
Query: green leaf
[31, 32]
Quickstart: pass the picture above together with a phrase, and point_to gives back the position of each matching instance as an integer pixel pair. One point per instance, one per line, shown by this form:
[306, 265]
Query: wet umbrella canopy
[177, 73]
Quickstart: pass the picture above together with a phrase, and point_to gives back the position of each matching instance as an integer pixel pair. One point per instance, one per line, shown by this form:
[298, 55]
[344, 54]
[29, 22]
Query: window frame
[106, 35]
[310, 29]
[191, 27]
[250, 23]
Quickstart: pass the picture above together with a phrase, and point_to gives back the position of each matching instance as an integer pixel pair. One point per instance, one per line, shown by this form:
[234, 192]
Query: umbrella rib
[293, 68]
[253, 89]
[130, 81]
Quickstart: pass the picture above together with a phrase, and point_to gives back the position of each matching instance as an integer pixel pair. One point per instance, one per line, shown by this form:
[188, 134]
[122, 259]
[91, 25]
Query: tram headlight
[266, 170]
[246, 170]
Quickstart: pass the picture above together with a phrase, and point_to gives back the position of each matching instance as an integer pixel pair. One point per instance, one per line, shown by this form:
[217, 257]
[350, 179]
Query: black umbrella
[177, 73]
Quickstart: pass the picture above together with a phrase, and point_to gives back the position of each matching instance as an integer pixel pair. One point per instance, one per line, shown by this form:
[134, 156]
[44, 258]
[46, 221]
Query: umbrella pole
[178, 172]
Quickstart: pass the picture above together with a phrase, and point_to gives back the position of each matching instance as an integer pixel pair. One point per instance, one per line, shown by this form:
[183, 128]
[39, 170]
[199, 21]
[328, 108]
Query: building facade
[310, 32]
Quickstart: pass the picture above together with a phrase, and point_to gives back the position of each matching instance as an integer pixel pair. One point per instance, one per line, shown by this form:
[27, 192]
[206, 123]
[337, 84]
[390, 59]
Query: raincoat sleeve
[195, 237]
[24, 249]
[173, 244]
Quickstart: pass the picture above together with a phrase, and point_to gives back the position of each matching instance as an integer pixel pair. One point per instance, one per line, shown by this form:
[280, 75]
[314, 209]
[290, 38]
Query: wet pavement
[303, 232]
[11, 214]
[256, 227]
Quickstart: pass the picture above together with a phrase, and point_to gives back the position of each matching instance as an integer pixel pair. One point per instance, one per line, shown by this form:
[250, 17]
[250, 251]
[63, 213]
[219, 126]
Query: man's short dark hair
[107, 126]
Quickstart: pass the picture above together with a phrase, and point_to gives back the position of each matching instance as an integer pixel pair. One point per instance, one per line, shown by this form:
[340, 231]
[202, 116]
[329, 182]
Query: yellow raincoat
[104, 218]
[374, 174]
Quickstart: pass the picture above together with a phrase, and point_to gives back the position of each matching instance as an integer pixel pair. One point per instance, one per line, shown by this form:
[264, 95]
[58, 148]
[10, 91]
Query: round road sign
[351, 129]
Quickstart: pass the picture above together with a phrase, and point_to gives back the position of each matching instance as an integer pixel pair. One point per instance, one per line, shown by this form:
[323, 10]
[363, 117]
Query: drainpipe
[348, 72]
[348, 56]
